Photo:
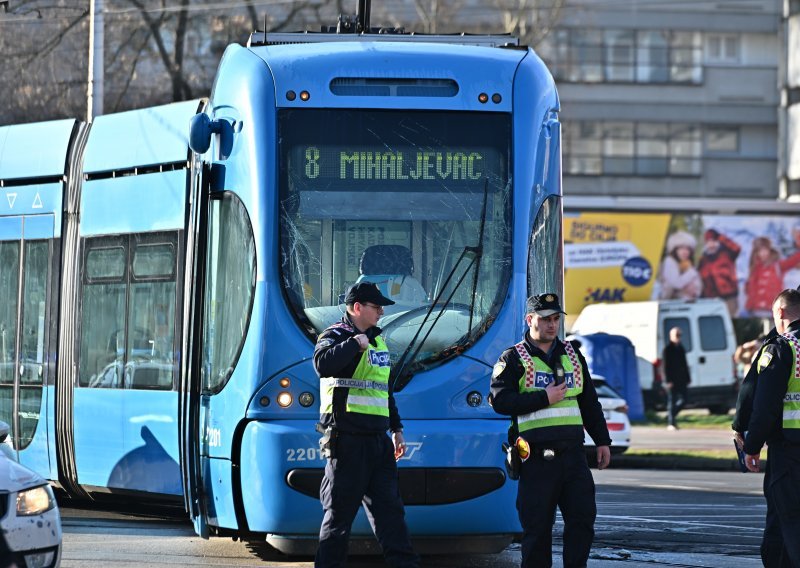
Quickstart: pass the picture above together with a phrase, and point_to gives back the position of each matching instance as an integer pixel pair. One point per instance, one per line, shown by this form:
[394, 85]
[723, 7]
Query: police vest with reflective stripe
[537, 376]
[791, 402]
[368, 387]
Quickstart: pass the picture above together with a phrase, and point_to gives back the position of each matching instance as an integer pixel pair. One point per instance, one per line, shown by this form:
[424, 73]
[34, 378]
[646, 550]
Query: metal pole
[90, 78]
[94, 92]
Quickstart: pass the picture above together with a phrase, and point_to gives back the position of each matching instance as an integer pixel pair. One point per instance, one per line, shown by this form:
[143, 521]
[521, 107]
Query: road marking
[698, 524]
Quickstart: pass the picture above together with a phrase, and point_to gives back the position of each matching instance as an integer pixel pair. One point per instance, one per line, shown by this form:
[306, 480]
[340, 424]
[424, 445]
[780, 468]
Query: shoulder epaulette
[340, 325]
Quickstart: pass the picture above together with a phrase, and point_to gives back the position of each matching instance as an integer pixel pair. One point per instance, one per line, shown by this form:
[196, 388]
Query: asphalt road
[645, 518]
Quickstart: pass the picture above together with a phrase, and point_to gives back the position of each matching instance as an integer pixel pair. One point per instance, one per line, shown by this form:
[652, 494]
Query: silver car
[30, 525]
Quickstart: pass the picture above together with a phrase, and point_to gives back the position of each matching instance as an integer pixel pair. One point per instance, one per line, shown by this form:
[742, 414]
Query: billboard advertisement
[622, 257]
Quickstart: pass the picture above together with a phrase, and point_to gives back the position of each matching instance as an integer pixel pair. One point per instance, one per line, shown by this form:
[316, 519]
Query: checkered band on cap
[796, 343]
[530, 371]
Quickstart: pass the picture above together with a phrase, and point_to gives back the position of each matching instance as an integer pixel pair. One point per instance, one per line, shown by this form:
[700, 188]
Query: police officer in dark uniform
[543, 383]
[357, 408]
[775, 420]
[747, 390]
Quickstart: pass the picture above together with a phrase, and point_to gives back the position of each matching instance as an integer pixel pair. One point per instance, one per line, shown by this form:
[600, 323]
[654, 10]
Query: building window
[618, 55]
[632, 149]
[723, 48]
[722, 139]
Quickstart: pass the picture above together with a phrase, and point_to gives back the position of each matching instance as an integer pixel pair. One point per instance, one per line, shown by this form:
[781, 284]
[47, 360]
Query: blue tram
[164, 284]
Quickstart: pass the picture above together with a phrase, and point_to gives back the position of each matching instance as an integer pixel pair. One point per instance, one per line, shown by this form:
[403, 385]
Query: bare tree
[159, 51]
[44, 65]
[530, 20]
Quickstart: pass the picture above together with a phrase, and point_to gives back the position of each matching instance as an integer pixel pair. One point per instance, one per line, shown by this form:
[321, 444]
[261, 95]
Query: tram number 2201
[302, 454]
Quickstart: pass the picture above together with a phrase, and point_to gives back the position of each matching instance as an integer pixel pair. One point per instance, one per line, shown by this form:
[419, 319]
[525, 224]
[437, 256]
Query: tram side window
[32, 340]
[151, 317]
[229, 288]
[103, 306]
[129, 306]
[546, 269]
[9, 291]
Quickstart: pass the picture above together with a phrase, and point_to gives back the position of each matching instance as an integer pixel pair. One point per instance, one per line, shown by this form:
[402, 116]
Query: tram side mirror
[4, 428]
[201, 129]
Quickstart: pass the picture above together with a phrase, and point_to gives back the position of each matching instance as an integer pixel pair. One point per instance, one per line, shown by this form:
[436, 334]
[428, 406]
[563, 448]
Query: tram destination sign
[318, 167]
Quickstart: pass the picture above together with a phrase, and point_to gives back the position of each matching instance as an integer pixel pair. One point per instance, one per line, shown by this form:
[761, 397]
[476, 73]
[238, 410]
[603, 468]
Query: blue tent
[614, 357]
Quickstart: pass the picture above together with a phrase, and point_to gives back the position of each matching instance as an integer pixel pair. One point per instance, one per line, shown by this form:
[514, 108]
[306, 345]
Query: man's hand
[738, 438]
[362, 340]
[603, 457]
[753, 462]
[555, 393]
[399, 444]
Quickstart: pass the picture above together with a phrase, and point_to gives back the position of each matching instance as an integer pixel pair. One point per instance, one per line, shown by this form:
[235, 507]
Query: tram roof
[261, 38]
[35, 150]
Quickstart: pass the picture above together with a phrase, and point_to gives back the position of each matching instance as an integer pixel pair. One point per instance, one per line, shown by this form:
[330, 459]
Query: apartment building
[670, 99]
[789, 112]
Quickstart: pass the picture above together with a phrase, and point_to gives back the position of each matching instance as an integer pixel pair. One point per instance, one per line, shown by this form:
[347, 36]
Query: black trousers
[780, 547]
[677, 396]
[567, 483]
[363, 470]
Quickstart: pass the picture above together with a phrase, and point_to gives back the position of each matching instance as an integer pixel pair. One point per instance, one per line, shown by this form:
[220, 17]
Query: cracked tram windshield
[417, 202]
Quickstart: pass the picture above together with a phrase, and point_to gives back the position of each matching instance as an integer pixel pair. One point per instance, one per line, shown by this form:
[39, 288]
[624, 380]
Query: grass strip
[716, 460]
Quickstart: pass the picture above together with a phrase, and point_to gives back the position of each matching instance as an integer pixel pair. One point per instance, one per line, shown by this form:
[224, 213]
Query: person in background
[745, 355]
[678, 277]
[717, 269]
[676, 376]
[357, 407]
[543, 383]
[791, 278]
[775, 420]
[765, 280]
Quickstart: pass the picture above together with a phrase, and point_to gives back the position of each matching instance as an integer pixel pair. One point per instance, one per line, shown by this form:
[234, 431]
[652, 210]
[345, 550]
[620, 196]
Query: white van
[708, 338]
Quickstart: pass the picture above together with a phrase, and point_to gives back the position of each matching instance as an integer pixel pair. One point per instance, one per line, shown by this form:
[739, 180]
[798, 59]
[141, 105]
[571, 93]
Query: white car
[615, 410]
[30, 525]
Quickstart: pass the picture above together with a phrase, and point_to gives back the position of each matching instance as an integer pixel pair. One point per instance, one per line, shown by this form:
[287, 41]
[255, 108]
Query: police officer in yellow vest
[543, 383]
[357, 408]
[775, 420]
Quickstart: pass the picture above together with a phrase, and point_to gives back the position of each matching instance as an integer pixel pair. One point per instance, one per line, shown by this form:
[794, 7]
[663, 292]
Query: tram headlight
[474, 399]
[483, 98]
[284, 399]
[305, 399]
[285, 382]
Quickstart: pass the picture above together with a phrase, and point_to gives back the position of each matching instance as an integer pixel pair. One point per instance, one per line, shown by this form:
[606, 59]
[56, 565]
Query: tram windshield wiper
[403, 370]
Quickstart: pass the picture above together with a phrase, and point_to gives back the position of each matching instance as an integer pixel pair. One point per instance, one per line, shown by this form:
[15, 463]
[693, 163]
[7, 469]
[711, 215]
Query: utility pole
[94, 90]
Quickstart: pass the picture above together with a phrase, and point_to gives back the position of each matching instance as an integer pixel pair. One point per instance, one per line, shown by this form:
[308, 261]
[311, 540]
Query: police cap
[363, 292]
[544, 305]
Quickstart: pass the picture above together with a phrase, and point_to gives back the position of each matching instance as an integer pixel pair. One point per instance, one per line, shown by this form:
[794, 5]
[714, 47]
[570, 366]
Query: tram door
[25, 258]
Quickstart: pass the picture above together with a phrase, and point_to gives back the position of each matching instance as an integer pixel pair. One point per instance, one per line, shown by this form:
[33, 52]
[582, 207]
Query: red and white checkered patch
[576, 364]
[796, 343]
[530, 369]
